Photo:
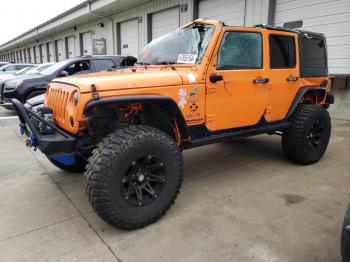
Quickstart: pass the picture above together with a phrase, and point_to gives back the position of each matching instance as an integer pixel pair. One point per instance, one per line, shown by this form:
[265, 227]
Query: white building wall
[108, 32]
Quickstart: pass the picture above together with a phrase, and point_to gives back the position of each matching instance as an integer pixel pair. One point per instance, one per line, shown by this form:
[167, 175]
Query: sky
[19, 16]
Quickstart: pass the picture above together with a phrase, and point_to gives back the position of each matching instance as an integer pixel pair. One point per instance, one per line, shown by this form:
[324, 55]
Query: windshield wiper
[143, 64]
[168, 64]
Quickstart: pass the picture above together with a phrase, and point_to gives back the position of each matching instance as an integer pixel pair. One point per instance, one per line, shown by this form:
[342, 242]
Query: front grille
[56, 99]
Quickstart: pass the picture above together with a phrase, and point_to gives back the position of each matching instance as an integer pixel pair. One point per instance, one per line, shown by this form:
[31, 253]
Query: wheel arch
[157, 106]
[318, 93]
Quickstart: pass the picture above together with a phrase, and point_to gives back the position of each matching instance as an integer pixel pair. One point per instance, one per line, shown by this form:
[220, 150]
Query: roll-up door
[50, 53]
[71, 47]
[59, 50]
[37, 55]
[44, 53]
[165, 21]
[329, 17]
[231, 12]
[129, 38]
[87, 43]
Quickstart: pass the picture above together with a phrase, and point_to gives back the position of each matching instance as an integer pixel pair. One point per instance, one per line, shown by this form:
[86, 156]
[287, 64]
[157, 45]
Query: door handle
[261, 81]
[292, 78]
[214, 78]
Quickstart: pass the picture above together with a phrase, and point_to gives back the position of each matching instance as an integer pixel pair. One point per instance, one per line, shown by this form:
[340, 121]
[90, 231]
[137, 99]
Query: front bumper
[5, 101]
[58, 142]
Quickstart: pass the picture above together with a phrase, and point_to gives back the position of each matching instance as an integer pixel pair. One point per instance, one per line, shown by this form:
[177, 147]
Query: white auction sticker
[187, 59]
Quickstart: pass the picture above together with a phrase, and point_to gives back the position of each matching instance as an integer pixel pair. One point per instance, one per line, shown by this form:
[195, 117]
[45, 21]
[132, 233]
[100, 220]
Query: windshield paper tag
[187, 59]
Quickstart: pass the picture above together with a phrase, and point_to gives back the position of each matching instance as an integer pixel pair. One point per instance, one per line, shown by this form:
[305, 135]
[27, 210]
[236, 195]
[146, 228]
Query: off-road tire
[108, 164]
[296, 139]
[78, 167]
[345, 237]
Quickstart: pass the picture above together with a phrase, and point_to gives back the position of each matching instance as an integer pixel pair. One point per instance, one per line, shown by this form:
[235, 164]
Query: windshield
[184, 46]
[37, 69]
[52, 69]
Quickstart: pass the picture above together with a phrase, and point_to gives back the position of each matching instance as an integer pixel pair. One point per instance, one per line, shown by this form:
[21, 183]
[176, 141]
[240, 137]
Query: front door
[237, 80]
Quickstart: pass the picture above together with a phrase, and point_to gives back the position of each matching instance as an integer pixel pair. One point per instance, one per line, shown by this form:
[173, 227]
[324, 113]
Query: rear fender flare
[320, 91]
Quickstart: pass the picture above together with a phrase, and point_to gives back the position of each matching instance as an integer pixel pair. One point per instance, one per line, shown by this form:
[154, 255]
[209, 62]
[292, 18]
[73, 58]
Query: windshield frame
[201, 52]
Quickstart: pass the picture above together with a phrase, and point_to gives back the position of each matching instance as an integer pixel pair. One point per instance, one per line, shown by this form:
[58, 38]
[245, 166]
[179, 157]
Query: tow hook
[31, 142]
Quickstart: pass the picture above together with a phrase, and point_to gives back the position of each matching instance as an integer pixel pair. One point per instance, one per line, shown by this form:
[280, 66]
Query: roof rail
[273, 27]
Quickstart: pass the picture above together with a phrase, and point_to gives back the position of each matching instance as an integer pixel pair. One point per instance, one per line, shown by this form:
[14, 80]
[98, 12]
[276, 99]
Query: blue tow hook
[67, 159]
[31, 142]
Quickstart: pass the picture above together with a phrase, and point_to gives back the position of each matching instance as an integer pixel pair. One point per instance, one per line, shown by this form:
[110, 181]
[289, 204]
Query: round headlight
[76, 98]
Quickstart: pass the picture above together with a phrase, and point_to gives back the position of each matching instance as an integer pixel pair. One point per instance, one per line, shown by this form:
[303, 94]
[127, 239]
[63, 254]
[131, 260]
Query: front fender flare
[168, 101]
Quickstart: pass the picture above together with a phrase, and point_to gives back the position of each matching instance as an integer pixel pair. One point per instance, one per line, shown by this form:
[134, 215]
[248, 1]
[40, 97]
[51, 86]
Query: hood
[128, 79]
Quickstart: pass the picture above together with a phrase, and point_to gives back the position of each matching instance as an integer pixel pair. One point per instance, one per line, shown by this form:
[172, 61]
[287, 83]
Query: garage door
[165, 21]
[43, 53]
[230, 12]
[71, 47]
[129, 38]
[49, 47]
[59, 50]
[37, 55]
[329, 17]
[87, 43]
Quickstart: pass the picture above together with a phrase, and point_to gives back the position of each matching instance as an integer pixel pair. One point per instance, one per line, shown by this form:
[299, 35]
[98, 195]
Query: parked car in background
[345, 237]
[3, 63]
[30, 86]
[10, 68]
[9, 75]
[24, 73]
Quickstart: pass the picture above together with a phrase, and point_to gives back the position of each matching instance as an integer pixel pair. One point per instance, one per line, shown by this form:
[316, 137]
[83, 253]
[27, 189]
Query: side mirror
[214, 78]
[63, 73]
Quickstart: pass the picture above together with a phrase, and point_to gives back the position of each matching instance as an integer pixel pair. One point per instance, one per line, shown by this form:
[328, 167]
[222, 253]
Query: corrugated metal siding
[165, 21]
[230, 12]
[331, 17]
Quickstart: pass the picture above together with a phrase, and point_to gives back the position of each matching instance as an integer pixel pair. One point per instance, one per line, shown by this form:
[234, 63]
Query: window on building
[102, 65]
[240, 50]
[282, 51]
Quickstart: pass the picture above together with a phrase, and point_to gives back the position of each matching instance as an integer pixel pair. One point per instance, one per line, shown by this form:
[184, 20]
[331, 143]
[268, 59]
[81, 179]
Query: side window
[240, 50]
[102, 65]
[282, 51]
[78, 67]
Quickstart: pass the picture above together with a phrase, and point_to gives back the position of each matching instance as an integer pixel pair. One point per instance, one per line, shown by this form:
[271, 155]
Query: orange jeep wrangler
[203, 83]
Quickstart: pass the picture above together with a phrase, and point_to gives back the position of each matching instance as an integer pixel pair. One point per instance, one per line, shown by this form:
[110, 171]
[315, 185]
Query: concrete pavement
[240, 201]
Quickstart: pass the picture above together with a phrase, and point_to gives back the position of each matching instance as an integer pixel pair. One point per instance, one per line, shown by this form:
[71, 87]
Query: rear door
[238, 96]
[283, 74]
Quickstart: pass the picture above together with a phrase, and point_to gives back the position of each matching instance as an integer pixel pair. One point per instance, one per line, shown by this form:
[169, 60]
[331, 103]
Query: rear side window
[240, 50]
[103, 65]
[282, 51]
